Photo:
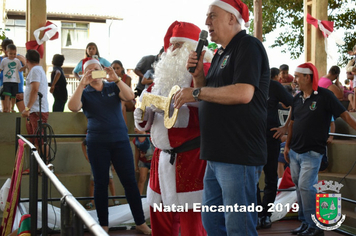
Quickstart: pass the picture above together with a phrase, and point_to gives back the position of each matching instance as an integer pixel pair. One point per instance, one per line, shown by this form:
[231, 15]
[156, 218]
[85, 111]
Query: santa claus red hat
[309, 69]
[236, 7]
[181, 32]
[88, 61]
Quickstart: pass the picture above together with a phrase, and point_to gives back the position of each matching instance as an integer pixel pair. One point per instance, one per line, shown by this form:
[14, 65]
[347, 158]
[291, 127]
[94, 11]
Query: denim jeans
[304, 170]
[226, 185]
[120, 155]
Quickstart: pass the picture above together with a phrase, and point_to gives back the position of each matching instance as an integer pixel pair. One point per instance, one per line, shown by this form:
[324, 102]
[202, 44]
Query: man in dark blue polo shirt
[306, 143]
[232, 115]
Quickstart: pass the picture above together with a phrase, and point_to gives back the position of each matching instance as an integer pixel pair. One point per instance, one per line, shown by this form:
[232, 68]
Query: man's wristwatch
[27, 109]
[196, 93]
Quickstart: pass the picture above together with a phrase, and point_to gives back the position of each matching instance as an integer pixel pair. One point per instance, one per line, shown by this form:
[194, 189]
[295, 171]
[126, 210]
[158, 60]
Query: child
[284, 76]
[351, 68]
[58, 84]
[11, 67]
[120, 71]
[143, 155]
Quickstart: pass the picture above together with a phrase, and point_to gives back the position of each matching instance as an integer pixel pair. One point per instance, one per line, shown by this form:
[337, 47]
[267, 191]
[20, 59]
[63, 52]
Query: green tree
[289, 14]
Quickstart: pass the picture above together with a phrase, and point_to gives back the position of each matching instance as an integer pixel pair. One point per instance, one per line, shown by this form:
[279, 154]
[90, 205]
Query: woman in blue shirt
[107, 138]
[90, 51]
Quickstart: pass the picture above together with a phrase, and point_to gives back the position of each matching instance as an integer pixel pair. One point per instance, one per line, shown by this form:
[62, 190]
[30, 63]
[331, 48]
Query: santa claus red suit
[176, 177]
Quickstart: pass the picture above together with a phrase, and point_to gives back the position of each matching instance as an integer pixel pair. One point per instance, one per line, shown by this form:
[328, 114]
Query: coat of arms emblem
[328, 206]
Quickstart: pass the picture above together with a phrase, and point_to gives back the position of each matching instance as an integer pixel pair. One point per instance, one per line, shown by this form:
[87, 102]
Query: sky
[145, 23]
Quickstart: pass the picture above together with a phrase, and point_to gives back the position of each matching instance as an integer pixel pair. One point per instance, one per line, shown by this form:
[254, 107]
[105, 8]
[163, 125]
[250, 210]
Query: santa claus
[176, 177]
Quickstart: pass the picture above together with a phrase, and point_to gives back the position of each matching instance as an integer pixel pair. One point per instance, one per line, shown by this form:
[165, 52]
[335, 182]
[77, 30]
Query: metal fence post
[33, 192]
[66, 226]
[78, 225]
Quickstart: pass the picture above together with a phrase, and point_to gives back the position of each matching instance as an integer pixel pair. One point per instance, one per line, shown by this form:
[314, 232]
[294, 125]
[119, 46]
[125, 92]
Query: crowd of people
[228, 128]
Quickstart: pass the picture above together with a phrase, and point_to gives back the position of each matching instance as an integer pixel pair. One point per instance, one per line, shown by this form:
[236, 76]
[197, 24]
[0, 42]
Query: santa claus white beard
[171, 70]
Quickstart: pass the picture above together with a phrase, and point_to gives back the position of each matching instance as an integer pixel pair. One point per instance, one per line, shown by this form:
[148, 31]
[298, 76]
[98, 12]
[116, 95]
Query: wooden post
[257, 6]
[36, 17]
[313, 38]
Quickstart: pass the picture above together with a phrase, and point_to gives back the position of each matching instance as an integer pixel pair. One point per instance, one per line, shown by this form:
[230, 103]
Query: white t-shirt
[37, 74]
[10, 70]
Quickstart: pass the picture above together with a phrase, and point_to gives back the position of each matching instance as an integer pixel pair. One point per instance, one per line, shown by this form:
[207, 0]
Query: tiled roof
[15, 13]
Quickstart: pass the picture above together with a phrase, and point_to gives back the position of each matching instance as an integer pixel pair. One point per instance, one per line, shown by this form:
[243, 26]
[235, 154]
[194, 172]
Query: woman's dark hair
[92, 44]
[274, 72]
[6, 42]
[120, 64]
[58, 60]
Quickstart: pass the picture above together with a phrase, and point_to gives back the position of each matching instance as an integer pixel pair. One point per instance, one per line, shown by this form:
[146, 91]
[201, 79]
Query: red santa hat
[88, 61]
[236, 7]
[309, 69]
[181, 31]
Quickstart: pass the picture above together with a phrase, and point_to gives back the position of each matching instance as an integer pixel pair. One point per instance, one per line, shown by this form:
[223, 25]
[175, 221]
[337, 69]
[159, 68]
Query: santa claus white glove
[155, 109]
[138, 115]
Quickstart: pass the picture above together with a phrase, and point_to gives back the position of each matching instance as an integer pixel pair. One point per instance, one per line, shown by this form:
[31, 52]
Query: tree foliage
[289, 14]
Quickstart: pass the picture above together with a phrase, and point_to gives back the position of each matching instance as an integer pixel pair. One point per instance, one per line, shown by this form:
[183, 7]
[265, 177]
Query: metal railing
[72, 84]
[73, 214]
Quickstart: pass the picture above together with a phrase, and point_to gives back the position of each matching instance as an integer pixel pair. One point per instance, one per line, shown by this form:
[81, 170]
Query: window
[16, 31]
[74, 34]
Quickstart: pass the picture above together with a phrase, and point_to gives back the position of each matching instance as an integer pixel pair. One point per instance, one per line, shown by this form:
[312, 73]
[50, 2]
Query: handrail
[77, 135]
[343, 135]
[67, 197]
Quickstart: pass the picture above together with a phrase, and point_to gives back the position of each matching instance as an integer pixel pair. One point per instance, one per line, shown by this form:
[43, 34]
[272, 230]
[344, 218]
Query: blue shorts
[281, 155]
[11, 89]
[144, 164]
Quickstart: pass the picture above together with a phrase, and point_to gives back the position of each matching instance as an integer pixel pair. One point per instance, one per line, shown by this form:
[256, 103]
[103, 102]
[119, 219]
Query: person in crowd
[142, 66]
[277, 94]
[91, 51]
[36, 89]
[19, 97]
[107, 138]
[58, 84]
[148, 77]
[275, 74]
[90, 205]
[233, 117]
[176, 175]
[120, 72]
[326, 81]
[143, 156]
[11, 66]
[351, 69]
[284, 76]
[347, 84]
[308, 133]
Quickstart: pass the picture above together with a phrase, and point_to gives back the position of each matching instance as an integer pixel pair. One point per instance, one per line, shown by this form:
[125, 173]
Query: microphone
[202, 42]
[40, 94]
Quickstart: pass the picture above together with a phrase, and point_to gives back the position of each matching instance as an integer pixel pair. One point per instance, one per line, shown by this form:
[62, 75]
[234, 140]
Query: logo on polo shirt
[313, 106]
[223, 64]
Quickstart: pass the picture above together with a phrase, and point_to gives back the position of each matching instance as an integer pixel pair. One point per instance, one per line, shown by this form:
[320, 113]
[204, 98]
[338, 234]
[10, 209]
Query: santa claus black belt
[187, 146]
